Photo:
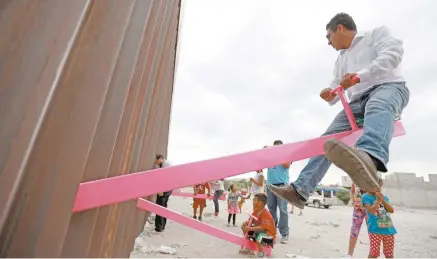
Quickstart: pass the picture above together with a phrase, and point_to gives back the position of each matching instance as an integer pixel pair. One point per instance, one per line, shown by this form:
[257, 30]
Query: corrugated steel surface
[85, 93]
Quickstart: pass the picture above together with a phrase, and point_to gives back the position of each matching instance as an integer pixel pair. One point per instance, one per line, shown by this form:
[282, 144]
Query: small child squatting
[263, 229]
[198, 202]
[380, 225]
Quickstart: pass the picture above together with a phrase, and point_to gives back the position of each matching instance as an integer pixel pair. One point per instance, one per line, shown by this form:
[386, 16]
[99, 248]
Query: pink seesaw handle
[251, 218]
[347, 109]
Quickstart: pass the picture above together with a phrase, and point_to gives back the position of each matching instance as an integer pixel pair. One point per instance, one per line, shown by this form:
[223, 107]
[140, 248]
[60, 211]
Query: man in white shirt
[369, 67]
[162, 197]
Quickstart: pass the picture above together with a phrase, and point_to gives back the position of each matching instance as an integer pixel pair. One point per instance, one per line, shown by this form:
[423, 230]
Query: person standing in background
[379, 223]
[278, 176]
[359, 214]
[162, 197]
[292, 210]
[233, 208]
[257, 183]
[218, 188]
[200, 203]
[256, 187]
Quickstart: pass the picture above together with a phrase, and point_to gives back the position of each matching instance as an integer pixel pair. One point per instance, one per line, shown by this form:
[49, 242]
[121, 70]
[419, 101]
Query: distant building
[346, 181]
[406, 189]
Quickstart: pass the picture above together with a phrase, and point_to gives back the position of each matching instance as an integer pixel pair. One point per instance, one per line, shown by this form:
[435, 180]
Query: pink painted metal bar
[127, 187]
[347, 109]
[201, 196]
[192, 223]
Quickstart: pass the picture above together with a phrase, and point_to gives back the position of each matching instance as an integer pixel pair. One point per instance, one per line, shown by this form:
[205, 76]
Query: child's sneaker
[260, 254]
[216, 214]
[229, 224]
[234, 225]
[194, 217]
[284, 240]
[200, 218]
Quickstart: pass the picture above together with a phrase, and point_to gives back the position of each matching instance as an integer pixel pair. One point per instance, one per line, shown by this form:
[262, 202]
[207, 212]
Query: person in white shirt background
[257, 182]
[369, 68]
[256, 187]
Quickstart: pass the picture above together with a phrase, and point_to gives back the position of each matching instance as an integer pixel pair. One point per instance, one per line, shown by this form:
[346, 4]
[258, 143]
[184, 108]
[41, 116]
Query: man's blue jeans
[379, 106]
[273, 203]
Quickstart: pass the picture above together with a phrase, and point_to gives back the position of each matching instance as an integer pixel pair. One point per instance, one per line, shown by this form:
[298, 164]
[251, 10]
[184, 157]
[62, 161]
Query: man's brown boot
[288, 193]
[356, 163]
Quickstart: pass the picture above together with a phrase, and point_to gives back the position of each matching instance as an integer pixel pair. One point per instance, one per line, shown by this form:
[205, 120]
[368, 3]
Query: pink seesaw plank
[132, 186]
[192, 223]
[201, 196]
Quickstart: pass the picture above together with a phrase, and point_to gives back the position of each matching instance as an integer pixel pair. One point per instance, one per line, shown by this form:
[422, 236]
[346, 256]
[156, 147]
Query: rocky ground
[318, 233]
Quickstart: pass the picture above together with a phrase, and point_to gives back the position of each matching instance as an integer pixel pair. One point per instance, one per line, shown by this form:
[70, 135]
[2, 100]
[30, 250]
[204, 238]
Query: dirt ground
[317, 233]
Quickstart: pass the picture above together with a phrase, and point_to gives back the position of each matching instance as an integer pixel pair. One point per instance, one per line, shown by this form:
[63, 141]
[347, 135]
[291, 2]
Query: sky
[250, 72]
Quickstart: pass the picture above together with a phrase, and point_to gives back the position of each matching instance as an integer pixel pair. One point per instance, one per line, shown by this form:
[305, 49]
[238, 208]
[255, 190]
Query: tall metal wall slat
[85, 93]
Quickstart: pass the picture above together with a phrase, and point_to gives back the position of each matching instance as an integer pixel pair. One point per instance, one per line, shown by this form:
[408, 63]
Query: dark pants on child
[233, 218]
[160, 222]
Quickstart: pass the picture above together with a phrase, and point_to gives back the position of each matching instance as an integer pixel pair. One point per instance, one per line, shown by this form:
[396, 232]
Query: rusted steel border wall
[85, 93]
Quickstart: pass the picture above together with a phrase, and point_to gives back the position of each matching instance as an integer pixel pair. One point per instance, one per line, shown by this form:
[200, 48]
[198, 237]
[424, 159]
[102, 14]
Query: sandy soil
[318, 233]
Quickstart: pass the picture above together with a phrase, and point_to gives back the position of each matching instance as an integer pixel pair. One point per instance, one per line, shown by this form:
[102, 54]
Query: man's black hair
[261, 197]
[343, 19]
[158, 156]
[278, 142]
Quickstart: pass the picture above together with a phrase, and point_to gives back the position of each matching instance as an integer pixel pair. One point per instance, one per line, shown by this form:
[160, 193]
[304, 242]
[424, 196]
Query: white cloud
[250, 72]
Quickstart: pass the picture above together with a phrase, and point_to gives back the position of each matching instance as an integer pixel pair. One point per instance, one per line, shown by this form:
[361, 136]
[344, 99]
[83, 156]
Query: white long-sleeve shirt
[218, 186]
[375, 56]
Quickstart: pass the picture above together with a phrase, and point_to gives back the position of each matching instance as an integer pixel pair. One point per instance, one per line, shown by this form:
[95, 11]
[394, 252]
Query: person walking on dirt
[218, 188]
[162, 197]
[278, 176]
[359, 215]
[369, 68]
